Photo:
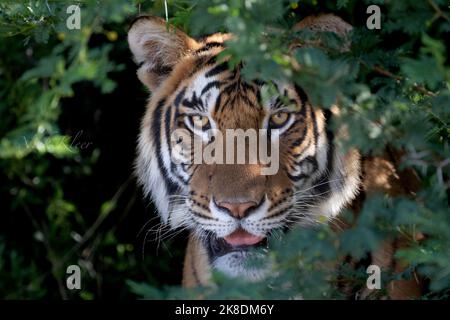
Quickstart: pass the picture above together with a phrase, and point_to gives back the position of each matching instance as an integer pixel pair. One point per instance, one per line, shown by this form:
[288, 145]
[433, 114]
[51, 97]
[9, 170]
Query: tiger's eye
[279, 119]
[200, 122]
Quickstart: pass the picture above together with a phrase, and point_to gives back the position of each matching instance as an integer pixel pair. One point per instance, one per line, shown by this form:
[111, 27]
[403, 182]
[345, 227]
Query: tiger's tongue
[241, 237]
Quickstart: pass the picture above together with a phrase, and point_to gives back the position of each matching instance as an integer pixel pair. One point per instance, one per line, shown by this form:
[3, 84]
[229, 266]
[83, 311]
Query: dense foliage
[69, 114]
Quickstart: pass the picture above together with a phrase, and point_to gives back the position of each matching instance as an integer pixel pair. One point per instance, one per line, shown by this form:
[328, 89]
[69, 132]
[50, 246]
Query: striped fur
[315, 179]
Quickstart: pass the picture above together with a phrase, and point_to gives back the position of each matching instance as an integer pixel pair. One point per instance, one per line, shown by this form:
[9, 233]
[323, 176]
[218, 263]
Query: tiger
[229, 208]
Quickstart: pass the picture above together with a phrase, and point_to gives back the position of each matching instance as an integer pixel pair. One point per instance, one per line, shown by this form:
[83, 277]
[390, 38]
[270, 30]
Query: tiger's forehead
[230, 100]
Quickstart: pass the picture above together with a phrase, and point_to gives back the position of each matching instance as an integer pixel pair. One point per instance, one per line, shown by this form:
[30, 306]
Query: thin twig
[57, 264]
[91, 231]
[51, 256]
[416, 86]
[389, 74]
[438, 10]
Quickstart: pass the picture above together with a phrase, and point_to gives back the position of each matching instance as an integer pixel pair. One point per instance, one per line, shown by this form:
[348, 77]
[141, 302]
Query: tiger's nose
[239, 209]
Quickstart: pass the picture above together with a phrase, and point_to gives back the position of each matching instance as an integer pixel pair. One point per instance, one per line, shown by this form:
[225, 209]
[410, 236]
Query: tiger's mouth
[238, 241]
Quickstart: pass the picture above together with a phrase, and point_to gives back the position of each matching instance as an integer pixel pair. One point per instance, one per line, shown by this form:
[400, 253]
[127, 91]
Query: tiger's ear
[327, 23]
[156, 47]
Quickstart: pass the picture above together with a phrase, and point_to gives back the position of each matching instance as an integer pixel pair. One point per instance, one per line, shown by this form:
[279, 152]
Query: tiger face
[231, 207]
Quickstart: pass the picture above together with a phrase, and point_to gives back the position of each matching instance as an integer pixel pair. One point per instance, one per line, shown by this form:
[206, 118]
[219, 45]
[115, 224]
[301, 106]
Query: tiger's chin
[250, 266]
[240, 255]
